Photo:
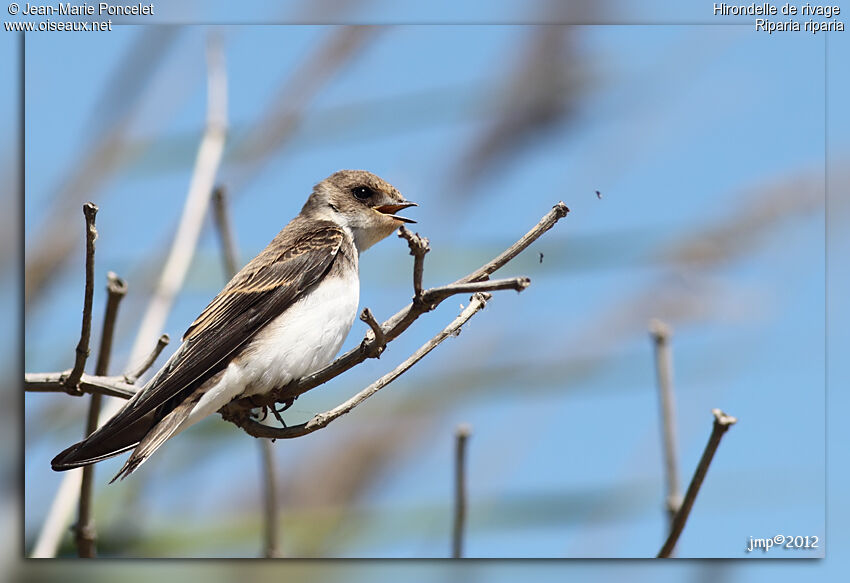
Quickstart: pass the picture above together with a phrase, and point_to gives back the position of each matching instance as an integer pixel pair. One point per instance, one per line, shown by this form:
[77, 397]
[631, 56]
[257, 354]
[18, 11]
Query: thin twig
[182, 250]
[82, 352]
[722, 422]
[435, 295]
[558, 212]
[378, 343]
[85, 534]
[461, 438]
[477, 302]
[133, 375]
[419, 246]
[278, 124]
[660, 333]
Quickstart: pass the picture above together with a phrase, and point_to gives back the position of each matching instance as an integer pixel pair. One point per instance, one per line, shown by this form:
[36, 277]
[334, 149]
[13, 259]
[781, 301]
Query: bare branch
[116, 289]
[722, 422]
[378, 343]
[195, 207]
[82, 352]
[419, 246]
[461, 438]
[435, 295]
[84, 530]
[229, 251]
[132, 376]
[54, 382]
[661, 333]
[558, 212]
[478, 301]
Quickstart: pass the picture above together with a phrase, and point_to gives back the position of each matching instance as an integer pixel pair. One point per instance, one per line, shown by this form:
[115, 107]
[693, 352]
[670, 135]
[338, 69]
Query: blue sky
[683, 129]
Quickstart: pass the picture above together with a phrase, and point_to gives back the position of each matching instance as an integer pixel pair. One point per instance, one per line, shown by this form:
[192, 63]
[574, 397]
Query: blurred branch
[229, 251]
[110, 118]
[289, 105]
[271, 546]
[195, 208]
[82, 352]
[735, 234]
[722, 423]
[229, 254]
[477, 303]
[86, 536]
[539, 93]
[461, 438]
[661, 333]
[174, 273]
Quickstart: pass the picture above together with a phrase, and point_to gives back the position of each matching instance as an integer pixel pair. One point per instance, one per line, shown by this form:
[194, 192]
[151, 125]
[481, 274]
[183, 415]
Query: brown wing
[260, 292]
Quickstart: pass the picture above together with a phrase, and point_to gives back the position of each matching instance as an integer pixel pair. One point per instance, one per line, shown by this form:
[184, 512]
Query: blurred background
[692, 159]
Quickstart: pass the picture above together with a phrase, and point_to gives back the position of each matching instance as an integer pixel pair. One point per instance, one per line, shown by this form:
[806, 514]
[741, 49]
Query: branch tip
[561, 210]
[722, 419]
[376, 346]
[419, 246]
[130, 377]
[115, 285]
[659, 330]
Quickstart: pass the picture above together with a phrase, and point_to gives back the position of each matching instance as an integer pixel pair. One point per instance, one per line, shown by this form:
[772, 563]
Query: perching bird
[282, 317]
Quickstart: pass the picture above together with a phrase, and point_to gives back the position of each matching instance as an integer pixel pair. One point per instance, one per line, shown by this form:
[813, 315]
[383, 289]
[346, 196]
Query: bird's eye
[362, 192]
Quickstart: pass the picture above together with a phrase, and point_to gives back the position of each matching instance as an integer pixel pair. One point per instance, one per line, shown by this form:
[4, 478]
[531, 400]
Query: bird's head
[360, 201]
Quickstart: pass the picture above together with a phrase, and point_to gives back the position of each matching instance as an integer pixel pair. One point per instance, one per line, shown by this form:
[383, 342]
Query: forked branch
[477, 303]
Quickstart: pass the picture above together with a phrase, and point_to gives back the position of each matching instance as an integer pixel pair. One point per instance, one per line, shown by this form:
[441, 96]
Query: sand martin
[283, 316]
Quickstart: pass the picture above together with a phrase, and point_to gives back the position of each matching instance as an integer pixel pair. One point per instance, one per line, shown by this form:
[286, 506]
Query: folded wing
[259, 293]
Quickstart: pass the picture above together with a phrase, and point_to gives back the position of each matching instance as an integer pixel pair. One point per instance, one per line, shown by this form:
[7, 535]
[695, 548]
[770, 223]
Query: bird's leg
[277, 416]
[286, 405]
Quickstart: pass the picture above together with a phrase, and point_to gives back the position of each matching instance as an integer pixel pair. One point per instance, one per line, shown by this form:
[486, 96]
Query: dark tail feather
[159, 434]
[113, 438]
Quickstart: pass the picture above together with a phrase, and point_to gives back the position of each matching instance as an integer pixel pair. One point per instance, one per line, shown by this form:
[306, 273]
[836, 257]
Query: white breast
[306, 337]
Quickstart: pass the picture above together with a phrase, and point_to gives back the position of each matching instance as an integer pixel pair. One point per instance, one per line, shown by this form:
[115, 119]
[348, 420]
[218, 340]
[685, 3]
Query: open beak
[391, 209]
